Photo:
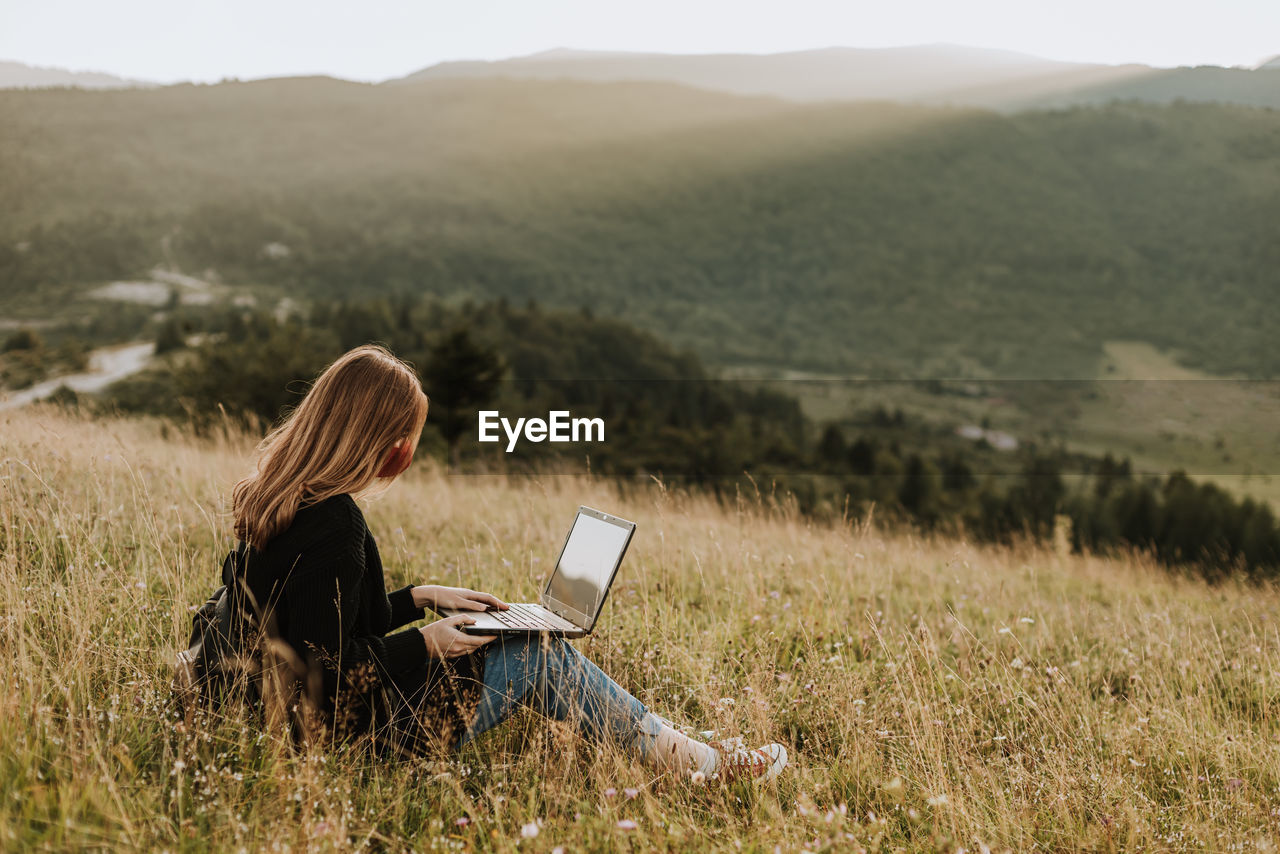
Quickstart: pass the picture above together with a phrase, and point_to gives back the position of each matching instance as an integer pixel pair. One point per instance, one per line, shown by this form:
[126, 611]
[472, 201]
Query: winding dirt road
[105, 367]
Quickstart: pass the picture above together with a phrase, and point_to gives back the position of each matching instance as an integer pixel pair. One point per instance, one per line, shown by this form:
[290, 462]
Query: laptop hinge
[546, 601]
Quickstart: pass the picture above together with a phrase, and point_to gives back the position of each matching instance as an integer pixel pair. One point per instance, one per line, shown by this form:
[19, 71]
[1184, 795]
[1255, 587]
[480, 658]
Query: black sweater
[318, 586]
[322, 584]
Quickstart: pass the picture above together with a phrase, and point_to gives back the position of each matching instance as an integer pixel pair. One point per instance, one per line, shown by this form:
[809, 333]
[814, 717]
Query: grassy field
[1141, 404]
[1166, 416]
[935, 695]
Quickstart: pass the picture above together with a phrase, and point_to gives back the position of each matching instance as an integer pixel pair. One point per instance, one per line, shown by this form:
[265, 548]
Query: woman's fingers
[465, 643]
[445, 638]
[488, 600]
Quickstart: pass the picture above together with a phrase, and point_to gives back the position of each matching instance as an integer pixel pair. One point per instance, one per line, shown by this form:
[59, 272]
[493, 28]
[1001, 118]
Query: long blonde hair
[334, 442]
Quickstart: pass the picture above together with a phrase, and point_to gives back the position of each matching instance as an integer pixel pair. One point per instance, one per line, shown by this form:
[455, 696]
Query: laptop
[575, 592]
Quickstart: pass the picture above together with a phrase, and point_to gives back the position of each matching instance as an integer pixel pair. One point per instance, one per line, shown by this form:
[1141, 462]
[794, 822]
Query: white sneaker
[685, 729]
[760, 765]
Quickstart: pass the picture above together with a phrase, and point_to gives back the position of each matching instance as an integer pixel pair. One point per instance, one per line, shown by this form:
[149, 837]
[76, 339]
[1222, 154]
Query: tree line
[670, 418]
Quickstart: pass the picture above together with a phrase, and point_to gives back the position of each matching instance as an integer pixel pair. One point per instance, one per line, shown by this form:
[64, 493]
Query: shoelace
[736, 759]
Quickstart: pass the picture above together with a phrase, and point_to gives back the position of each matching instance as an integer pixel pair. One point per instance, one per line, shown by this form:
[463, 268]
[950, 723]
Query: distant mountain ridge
[928, 74]
[18, 75]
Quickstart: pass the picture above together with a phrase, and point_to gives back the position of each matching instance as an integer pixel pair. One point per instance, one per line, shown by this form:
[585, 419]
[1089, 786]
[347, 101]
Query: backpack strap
[233, 566]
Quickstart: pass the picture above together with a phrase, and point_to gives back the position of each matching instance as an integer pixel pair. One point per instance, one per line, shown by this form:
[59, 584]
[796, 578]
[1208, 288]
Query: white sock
[672, 750]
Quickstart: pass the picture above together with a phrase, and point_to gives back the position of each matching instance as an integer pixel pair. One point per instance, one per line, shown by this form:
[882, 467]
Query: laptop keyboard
[524, 617]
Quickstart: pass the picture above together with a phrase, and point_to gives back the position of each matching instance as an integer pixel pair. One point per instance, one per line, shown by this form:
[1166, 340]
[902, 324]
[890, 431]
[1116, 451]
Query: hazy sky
[169, 40]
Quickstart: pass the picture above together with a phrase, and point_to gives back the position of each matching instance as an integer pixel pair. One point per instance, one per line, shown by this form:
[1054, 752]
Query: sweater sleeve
[323, 600]
[402, 608]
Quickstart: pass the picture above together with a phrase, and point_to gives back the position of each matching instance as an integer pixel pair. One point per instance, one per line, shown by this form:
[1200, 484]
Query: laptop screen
[591, 553]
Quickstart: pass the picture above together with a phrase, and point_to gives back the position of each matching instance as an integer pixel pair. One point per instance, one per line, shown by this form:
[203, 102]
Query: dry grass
[935, 694]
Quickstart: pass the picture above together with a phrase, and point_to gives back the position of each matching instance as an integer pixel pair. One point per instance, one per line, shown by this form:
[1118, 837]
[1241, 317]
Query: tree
[1109, 473]
[957, 475]
[920, 490]
[831, 447]
[256, 376]
[463, 375]
[862, 456]
[1039, 494]
[23, 340]
[169, 337]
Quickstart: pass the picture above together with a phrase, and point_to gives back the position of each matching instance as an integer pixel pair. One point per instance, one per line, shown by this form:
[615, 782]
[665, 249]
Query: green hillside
[1256, 87]
[864, 238]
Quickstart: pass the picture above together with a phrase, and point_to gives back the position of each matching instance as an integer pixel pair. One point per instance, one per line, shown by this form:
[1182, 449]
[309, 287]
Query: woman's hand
[458, 598]
[445, 640]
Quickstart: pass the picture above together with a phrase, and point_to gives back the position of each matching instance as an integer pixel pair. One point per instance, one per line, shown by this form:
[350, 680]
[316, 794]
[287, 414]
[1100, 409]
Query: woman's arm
[405, 607]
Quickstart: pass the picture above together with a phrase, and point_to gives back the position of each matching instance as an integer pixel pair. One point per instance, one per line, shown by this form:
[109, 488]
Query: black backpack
[213, 661]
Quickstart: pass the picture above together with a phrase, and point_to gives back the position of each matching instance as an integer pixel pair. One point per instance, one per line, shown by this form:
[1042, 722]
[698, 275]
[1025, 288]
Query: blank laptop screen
[586, 564]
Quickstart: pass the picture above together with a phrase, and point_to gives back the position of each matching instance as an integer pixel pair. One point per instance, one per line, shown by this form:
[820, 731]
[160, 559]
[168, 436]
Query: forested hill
[872, 238]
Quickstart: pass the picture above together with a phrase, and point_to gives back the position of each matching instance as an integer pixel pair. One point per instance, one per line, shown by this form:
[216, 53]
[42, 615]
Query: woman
[312, 581]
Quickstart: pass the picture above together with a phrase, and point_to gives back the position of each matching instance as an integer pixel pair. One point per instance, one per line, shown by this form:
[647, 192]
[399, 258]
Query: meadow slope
[936, 695]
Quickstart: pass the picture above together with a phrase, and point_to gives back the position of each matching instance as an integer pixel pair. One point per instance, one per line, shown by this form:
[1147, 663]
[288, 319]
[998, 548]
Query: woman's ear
[398, 459]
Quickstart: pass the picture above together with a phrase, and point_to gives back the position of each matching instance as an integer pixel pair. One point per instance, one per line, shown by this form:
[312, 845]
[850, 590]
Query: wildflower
[462, 822]
[1234, 783]
[530, 830]
[697, 778]
[937, 800]
[631, 793]
[1027, 620]
[610, 792]
[627, 824]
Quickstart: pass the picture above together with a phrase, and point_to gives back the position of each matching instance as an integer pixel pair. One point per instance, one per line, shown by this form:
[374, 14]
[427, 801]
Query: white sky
[170, 40]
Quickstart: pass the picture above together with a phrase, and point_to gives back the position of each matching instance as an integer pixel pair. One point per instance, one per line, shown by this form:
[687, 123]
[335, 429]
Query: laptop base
[525, 618]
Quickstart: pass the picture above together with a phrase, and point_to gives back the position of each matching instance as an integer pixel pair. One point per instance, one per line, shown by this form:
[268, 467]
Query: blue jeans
[550, 676]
